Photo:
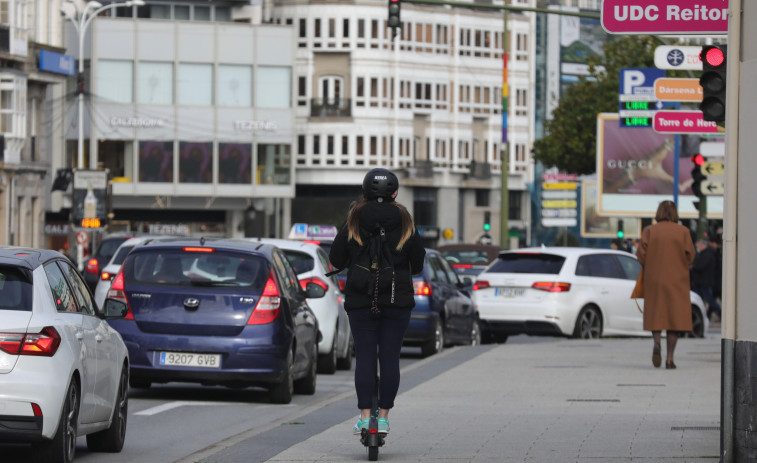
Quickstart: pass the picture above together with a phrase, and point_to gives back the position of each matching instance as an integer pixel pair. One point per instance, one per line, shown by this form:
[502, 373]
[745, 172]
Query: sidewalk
[561, 401]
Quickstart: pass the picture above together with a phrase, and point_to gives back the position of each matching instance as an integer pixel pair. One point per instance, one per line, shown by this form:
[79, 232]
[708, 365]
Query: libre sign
[665, 16]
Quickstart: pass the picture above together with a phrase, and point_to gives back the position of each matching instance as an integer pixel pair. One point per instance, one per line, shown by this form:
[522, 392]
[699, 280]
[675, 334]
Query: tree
[570, 142]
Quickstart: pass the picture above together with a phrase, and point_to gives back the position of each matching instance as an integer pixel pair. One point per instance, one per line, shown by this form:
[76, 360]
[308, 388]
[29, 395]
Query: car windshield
[466, 257]
[121, 254]
[517, 262]
[15, 290]
[108, 248]
[186, 268]
[300, 261]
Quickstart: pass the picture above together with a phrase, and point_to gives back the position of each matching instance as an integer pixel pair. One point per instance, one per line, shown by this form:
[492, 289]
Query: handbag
[638, 289]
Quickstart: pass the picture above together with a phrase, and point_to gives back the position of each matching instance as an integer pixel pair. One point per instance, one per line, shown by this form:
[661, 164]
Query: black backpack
[372, 269]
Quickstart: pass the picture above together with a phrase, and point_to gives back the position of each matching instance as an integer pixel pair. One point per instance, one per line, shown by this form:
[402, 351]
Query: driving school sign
[665, 16]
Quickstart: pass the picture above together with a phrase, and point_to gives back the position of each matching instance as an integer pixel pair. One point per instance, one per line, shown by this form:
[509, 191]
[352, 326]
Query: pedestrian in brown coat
[665, 253]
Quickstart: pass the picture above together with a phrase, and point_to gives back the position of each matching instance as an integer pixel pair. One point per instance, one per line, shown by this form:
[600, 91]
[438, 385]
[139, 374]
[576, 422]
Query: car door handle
[79, 335]
[99, 338]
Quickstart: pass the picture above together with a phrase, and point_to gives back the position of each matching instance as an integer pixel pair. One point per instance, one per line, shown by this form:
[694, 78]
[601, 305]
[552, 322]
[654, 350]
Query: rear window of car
[527, 263]
[108, 248]
[300, 261]
[183, 268]
[121, 254]
[466, 257]
[15, 290]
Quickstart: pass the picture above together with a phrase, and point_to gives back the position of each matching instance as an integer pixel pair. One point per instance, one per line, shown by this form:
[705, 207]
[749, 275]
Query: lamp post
[81, 15]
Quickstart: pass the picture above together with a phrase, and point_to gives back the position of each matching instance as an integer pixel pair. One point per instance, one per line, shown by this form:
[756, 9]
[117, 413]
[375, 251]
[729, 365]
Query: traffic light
[80, 84]
[697, 175]
[621, 234]
[394, 16]
[487, 221]
[713, 82]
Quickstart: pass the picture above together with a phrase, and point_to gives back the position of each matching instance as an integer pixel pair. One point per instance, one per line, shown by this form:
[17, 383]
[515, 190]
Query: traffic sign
[683, 122]
[675, 57]
[713, 187]
[637, 84]
[712, 149]
[665, 17]
[559, 185]
[559, 203]
[559, 222]
[713, 168]
[681, 89]
[82, 237]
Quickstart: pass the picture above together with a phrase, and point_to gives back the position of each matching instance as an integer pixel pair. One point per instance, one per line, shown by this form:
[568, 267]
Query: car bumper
[249, 359]
[531, 327]
[544, 317]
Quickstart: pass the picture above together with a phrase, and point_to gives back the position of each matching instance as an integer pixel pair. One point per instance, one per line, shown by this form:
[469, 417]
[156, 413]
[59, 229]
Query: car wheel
[475, 334]
[327, 362]
[112, 439]
[697, 322]
[436, 344]
[345, 363]
[62, 447]
[281, 393]
[139, 383]
[306, 385]
[588, 324]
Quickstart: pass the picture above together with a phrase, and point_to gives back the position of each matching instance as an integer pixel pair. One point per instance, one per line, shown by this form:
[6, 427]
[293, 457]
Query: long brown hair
[666, 212]
[353, 223]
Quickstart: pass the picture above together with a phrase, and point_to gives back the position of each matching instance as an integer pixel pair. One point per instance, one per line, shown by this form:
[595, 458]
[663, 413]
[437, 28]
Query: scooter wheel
[372, 453]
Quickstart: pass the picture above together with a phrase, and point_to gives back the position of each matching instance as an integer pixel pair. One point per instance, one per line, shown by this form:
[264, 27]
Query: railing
[331, 107]
[423, 169]
[480, 170]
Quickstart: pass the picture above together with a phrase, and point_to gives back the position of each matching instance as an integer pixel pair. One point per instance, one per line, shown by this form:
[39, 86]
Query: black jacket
[704, 270]
[407, 262]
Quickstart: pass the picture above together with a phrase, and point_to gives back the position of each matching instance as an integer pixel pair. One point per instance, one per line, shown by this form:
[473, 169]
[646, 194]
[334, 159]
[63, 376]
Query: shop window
[234, 85]
[273, 87]
[156, 161]
[234, 163]
[195, 84]
[195, 162]
[118, 157]
[274, 164]
[114, 81]
[154, 83]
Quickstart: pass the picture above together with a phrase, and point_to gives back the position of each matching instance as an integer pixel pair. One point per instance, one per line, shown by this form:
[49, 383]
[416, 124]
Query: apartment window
[302, 91]
[303, 28]
[202, 13]
[345, 28]
[345, 150]
[195, 84]
[521, 100]
[521, 47]
[273, 87]
[317, 27]
[332, 28]
[154, 83]
[114, 81]
[234, 85]
[180, 12]
[12, 106]
[301, 154]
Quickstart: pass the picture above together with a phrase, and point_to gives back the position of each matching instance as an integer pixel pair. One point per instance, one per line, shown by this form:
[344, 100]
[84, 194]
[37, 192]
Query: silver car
[64, 372]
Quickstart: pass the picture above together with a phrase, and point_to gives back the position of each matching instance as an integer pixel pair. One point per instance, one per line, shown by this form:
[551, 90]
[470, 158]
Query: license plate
[186, 359]
[509, 292]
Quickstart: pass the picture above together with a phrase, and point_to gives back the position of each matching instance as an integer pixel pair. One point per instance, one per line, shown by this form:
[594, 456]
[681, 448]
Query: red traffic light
[697, 159]
[714, 57]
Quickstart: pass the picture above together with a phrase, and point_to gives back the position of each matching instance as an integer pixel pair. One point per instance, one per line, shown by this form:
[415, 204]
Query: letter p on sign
[632, 79]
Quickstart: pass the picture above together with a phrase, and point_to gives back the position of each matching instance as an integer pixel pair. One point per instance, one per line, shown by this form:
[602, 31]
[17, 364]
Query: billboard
[595, 226]
[90, 195]
[636, 171]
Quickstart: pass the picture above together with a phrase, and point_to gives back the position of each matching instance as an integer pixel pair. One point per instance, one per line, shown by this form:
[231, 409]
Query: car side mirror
[314, 291]
[114, 308]
[467, 282]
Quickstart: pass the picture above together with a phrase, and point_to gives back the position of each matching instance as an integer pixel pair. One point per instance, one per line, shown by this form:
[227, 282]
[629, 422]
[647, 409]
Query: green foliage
[570, 140]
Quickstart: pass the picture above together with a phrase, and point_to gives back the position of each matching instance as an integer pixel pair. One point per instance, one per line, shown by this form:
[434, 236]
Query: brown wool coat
[666, 252]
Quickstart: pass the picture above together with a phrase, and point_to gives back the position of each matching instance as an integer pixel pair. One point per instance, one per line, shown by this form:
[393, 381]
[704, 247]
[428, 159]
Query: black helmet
[380, 183]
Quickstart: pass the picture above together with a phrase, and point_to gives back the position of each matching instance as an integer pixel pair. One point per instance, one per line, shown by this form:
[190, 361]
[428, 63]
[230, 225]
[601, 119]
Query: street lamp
[81, 15]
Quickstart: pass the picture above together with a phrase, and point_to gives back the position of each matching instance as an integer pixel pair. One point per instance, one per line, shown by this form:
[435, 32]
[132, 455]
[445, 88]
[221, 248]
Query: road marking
[179, 403]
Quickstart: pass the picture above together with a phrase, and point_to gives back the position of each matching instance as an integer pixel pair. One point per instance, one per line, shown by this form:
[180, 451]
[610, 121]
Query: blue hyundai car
[217, 312]
[444, 312]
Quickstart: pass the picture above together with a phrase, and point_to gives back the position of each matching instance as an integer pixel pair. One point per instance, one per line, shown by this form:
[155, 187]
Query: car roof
[286, 244]
[566, 251]
[29, 258]
[226, 244]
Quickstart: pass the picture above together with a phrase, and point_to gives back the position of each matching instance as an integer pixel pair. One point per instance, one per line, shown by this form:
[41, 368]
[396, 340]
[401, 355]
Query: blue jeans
[705, 292]
[382, 336]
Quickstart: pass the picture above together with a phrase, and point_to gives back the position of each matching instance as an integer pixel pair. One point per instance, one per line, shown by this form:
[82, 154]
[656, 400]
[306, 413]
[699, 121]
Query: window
[234, 85]
[273, 87]
[15, 290]
[599, 265]
[195, 162]
[274, 164]
[631, 267]
[155, 83]
[114, 81]
[527, 263]
[155, 161]
[234, 163]
[62, 294]
[12, 105]
[82, 294]
[195, 84]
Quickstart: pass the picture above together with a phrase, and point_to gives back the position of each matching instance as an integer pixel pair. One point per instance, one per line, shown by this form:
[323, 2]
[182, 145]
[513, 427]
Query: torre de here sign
[665, 16]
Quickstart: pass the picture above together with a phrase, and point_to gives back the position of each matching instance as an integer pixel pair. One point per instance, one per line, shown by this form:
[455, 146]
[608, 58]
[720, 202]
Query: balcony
[331, 107]
[480, 171]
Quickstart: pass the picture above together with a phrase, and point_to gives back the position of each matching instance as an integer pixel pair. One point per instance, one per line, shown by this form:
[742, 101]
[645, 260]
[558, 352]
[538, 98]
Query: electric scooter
[370, 437]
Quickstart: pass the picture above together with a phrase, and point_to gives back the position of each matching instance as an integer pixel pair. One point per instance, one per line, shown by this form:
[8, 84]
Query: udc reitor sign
[665, 16]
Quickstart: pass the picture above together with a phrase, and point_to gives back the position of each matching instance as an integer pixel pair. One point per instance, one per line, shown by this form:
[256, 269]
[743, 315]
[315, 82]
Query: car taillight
[480, 284]
[462, 265]
[268, 306]
[45, 343]
[116, 291]
[421, 288]
[92, 266]
[316, 280]
[106, 276]
[551, 286]
[342, 283]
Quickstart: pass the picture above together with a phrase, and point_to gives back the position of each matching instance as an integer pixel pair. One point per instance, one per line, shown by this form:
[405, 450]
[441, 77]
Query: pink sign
[683, 122]
[665, 16]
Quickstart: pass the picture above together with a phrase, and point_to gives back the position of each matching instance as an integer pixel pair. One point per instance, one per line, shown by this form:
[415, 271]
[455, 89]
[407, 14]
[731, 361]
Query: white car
[110, 270]
[311, 264]
[64, 372]
[579, 292]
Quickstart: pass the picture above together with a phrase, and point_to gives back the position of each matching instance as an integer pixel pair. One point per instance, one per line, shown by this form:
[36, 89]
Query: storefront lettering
[116, 121]
[254, 126]
[629, 164]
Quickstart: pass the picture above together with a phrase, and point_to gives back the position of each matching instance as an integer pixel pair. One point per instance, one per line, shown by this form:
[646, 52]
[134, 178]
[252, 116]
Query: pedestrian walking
[379, 231]
[666, 253]
[704, 275]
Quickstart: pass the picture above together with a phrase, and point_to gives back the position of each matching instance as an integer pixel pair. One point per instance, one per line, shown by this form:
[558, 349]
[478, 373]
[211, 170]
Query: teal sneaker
[383, 426]
[360, 425]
